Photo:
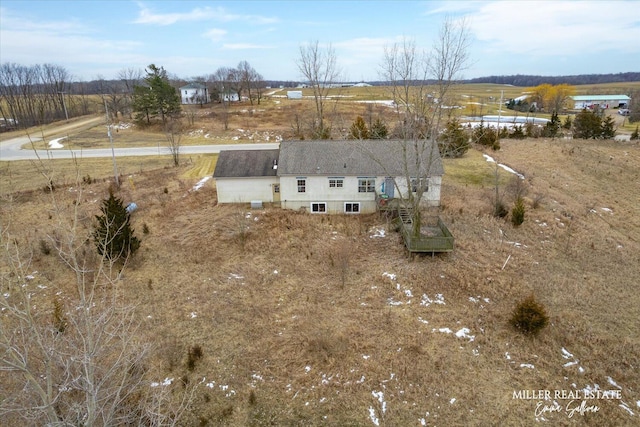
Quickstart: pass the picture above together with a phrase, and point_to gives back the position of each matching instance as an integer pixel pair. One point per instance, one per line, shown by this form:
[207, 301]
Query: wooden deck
[434, 236]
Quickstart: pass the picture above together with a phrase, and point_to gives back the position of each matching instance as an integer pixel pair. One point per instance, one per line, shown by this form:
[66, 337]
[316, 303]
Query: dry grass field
[324, 320]
[317, 320]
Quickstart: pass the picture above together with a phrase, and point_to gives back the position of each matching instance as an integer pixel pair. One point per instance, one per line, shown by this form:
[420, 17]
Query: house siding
[245, 190]
[318, 191]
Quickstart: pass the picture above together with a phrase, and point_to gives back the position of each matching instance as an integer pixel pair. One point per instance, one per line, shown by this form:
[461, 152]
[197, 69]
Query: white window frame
[336, 182]
[303, 185]
[352, 204]
[318, 204]
[415, 181]
[366, 185]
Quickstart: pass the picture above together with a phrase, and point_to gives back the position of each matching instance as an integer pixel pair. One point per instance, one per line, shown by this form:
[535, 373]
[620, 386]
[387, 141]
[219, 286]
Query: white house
[329, 176]
[195, 93]
[600, 101]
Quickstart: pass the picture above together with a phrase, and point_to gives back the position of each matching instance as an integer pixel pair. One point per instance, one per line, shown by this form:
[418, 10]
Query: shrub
[529, 316]
[145, 228]
[45, 249]
[517, 213]
[194, 355]
[60, 321]
[499, 210]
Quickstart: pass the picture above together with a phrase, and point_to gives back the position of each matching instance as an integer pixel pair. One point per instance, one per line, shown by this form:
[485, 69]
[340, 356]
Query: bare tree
[173, 132]
[130, 78]
[420, 105]
[319, 67]
[74, 357]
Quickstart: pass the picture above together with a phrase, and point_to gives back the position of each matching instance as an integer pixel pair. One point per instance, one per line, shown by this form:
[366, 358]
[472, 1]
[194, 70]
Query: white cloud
[215, 34]
[556, 28]
[240, 46]
[147, 16]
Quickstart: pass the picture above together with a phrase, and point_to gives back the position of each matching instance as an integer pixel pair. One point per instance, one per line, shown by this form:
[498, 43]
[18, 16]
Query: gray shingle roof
[245, 163]
[358, 158]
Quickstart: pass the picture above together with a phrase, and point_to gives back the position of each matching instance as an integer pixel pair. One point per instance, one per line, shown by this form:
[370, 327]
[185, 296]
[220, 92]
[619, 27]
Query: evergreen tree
[379, 130]
[113, 234]
[453, 141]
[607, 128]
[156, 97]
[517, 133]
[487, 136]
[359, 129]
[567, 123]
[551, 128]
[587, 125]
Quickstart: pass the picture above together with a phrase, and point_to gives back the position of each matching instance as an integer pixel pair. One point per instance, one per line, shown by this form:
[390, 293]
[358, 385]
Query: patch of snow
[566, 354]
[507, 356]
[445, 330]
[166, 382]
[307, 369]
[366, 356]
[624, 406]
[613, 383]
[201, 183]
[193, 315]
[505, 167]
[235, 276]
[55, 143]
[378, 232]
[389, 275]
[452, 401]
[527, 365]
[464, 333]
[372, 415]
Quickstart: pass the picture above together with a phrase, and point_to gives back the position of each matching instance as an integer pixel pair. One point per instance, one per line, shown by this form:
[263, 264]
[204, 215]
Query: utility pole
[113, 153]
[64, 105]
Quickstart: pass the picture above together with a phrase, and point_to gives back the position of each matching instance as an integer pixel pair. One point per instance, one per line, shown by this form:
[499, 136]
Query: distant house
[229, 95]
[195, 93]
[327, 176]
[600, 101]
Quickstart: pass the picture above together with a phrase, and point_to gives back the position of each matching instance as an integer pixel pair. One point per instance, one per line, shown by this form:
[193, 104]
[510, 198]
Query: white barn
[600, 101]
[195, 93]
[327, 176]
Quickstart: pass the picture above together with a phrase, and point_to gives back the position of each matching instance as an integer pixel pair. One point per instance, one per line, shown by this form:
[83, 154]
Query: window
[276, 188]
[366, 185]
[336, 182]
[318, 207]
[302, 185]
[423, 181]
[352, 208]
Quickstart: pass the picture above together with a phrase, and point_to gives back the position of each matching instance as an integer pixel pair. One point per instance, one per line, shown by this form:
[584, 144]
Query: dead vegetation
[286, 318]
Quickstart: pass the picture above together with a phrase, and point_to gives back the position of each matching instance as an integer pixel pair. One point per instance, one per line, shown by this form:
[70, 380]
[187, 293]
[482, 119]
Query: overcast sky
[194, 38]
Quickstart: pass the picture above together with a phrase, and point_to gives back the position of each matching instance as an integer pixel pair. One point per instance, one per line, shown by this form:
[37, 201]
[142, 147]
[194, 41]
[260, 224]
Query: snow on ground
[201, 183]
[505, 167]
[55, 143]
[377, 232]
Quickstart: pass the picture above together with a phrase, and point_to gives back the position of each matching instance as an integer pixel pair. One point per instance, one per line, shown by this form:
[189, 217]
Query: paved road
[10, 149]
